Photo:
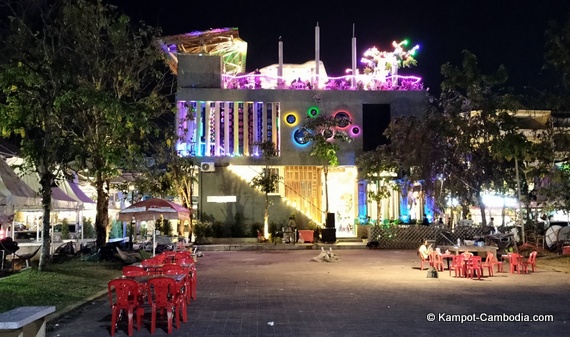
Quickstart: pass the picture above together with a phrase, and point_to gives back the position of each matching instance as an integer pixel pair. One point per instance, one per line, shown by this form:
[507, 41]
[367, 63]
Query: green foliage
[324, 136]
[219, 230]
[64, 230]
[164, 226]
[88, 229]
[379, 168]
[116, 230]
[254, 228]
[203, 229]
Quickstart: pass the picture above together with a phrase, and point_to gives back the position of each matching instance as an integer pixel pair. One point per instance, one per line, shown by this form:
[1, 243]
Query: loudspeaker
[330, 220]
[328, 235]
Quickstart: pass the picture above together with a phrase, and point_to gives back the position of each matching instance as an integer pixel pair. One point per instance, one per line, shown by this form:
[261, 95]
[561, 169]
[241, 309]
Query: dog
[373, 245]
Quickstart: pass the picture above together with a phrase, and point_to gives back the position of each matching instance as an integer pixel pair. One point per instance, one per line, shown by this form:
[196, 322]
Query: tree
[119, 76]
[475, 107]
[266, 180]
[380, 168]
[36, 82]
[324, 136]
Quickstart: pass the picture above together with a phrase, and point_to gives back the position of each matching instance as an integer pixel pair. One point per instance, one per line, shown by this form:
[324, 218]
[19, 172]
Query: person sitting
[424, 251]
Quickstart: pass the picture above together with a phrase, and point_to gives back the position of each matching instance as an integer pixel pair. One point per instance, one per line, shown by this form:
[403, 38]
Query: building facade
[221, 117]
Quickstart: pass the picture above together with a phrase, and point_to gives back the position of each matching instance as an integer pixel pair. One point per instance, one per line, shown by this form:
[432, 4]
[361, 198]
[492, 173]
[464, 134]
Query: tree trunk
[46, 182]
[482, 209]
[266, 218]
[326, 174]
[101, 218]
[378, 206]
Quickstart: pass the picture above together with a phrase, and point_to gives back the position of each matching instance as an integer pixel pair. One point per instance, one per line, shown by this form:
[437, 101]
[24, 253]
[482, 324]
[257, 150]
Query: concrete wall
[250, 202]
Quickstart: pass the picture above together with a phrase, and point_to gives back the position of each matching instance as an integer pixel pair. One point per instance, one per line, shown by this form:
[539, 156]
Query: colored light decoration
[300, 136]
[382, 66]
[313, 111]
[291, 119]
[343, 119]
[354, 131]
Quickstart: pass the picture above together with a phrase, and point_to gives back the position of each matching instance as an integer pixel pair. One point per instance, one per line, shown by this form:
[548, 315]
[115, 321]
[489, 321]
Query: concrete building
[223, 113]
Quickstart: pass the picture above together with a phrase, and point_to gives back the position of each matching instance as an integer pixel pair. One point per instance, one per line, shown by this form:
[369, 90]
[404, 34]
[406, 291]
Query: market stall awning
[60, 200]
[14, 193]
[74, 191]
[152, 209]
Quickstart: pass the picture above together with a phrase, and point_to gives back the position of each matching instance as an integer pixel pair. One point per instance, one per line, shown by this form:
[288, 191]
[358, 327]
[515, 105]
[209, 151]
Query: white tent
[72, 189]
[60, 201]
[14, 193]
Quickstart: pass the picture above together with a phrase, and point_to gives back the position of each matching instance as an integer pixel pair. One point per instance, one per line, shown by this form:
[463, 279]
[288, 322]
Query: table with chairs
[469, 265]
[164, 285]
[519, 264]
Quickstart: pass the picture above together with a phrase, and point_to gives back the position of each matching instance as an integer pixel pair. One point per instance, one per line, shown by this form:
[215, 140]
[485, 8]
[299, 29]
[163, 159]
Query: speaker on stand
[328, 234]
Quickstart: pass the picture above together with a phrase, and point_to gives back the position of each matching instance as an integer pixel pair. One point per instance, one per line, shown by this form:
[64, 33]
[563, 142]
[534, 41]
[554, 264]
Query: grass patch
[61, 284]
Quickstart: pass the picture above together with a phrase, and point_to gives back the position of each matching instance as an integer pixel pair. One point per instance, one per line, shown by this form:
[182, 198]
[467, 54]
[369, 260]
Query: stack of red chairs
[124, 296]
[167, 282]
[163, 296]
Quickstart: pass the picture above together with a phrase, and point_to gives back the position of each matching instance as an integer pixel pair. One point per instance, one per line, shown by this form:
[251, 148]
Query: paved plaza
[365, 293]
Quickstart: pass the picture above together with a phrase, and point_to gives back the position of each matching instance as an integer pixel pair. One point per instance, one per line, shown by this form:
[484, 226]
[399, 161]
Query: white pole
[154, 236]
[317, 55]
[280, 69]
[353, 59]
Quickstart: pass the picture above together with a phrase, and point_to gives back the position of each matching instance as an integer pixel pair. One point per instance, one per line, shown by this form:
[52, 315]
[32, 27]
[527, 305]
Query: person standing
[292, 225]
[425, 221]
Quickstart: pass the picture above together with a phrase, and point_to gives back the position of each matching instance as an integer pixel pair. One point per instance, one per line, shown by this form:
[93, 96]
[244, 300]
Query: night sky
[509, 32]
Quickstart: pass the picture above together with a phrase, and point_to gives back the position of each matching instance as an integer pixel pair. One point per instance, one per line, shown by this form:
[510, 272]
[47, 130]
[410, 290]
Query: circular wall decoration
[313, 111]
[343, 119]
[328, 133]
[300, 136]
[291, 119]
[355, 130]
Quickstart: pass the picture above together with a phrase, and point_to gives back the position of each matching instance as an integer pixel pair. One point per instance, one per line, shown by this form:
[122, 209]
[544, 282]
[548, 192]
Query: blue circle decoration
[300, 136]
[291, 119]
[342, 118]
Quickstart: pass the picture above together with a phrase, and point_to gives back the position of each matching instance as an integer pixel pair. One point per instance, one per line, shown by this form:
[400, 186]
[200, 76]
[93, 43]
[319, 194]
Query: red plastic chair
[124, 297]
[488, 263]
[182, 255]
[524, 264]
[168, 256]
[437, 261]
[182, 287]
[152, 265]
[424, 260]
[457, 265]
[514, 262]
[163, 297]
[474, 266]
[134, 271]
[191, 266]
[498, 263]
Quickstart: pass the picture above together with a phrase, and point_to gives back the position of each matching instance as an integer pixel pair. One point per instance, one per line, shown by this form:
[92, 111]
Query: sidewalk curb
[71, 307]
